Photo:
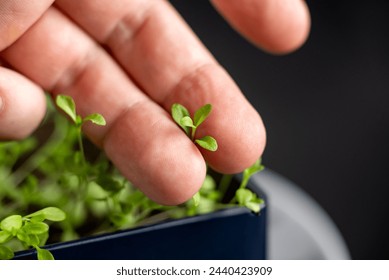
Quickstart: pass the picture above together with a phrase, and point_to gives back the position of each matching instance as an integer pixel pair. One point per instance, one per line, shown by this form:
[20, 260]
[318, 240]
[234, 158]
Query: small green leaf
[248, 199]
[97, 119]
[34, 240]
[243, 196]
[179, 112]
[37, 218]
[5, 236]
[43, 238]
[66, 103]
[12, 223]
[253, 206]
[187, 122]
[196, 199]
[36, 228]
[6, 253]
[207, 142]
[29, 238]
[23, 236]
[201, 114]
[50, 213]
[44, 254]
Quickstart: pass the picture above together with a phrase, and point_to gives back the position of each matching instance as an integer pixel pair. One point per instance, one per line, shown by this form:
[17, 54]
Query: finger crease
[185, 83]
[128, 27]
[75, 71]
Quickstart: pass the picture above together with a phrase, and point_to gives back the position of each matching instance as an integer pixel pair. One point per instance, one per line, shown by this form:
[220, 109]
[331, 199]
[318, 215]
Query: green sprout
[246, 197]
[182, 117]
[66, 103]
[31, 231]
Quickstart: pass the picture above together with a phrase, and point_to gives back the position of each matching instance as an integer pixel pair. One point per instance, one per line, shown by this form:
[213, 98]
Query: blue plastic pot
[233, 233]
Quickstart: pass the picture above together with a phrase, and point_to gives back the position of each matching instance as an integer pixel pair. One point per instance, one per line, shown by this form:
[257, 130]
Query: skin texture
[112, 58]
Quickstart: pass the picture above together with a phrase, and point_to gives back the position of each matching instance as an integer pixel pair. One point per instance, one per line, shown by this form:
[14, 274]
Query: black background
[325, 108]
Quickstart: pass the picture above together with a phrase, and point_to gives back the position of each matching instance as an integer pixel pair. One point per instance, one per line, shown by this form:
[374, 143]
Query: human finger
[161, 53]
[140, 137]
[277, 26]
[16, 16]
[22, 105]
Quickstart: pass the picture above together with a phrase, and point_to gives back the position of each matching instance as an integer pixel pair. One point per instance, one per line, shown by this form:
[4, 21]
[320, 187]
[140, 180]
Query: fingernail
[1, 103]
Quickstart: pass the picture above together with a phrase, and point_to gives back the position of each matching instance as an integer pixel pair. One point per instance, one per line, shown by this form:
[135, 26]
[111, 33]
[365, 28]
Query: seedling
[66, 103]
[182, 117]
[246, 197]
[31, 231]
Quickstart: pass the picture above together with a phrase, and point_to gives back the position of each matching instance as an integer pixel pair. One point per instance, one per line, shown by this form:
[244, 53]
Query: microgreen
[6, 253]
[179, 112]
[182, 117]
[31, 231]
[96, 119]
[246, 197]
[66, 103]
[248, 172]
[201, 114]
[50, 213]
[207, 142]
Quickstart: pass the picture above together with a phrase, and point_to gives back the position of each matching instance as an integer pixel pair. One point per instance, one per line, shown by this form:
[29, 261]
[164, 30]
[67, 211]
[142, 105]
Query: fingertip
[292, 33]
[22, 105]
[177, 185]
[241, 140]
[276, 26]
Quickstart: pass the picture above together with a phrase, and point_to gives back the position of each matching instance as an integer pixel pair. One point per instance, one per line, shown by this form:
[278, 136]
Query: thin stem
[193, 133]
[244, 182]
[81, 146]
[83, 177]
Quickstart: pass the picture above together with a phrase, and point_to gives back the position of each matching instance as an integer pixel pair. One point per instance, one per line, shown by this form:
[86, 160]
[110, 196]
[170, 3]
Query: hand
[130, 61]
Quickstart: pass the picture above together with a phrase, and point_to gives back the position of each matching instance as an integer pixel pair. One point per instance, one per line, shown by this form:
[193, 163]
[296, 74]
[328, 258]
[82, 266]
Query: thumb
[22, 105]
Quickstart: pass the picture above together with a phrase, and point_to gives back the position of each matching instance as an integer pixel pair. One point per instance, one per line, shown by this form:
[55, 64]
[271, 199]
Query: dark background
[325, 108]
